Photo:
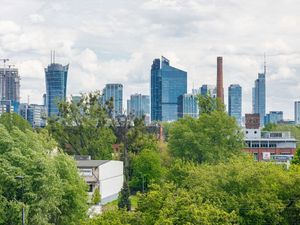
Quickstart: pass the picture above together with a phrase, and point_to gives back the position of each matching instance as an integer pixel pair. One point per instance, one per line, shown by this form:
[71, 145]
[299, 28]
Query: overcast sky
[116, 40]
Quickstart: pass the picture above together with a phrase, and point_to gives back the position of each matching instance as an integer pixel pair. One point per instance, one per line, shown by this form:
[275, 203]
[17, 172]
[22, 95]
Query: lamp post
[23, 209]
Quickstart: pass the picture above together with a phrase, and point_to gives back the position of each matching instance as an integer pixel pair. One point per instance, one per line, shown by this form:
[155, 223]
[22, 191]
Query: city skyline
[191, 34]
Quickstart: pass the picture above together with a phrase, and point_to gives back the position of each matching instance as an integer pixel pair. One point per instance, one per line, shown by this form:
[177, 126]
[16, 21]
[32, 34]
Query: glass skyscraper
[274, 117]
[139, 105]
[297, 112]
[188, 106]
[167, 84]
[208, 90]
[114, 92]
[259, 97]
[235, 102]
[56, 87]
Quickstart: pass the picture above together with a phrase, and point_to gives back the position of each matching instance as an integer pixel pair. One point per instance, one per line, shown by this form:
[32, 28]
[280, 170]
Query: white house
[107, 175]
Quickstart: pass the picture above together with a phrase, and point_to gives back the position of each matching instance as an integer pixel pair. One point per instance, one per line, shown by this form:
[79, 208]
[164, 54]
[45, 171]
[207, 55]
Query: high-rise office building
[208, 90]
[274, 117]
[139, 105]
[167, 84]
[10, 86]
[297, 112]
[6, 106]
[188, 106]
[259, 97]
[235, 102]
[220, 88]
[36, 115]
[56, 86]
[114, 92]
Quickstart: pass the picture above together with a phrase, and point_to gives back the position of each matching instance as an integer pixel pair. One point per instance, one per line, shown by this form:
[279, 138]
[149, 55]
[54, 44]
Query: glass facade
[139, 105]
[188, 106]
[208, 90]
[274, 117]
[167, 84]
[235, 102]
[259, 97]
[297, 112]
[56, 87]
[114, 92]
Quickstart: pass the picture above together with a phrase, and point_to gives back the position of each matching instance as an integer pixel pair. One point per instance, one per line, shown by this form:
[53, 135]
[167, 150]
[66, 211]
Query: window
[90, 188]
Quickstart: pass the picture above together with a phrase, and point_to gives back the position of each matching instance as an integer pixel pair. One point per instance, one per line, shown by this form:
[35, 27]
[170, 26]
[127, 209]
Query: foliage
[296, 159]
[146, 168]
[83, 128]
[54, 193]
[208, 104]
[11, 120]
[96, 198]
[124, 200]
[270, 127]
[294, 129]
[210, 138]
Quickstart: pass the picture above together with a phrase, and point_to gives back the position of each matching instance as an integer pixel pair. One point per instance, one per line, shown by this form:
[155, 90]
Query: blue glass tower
[235, 102]
[274, 117]
[208, 90]
[167, 84]
[259, 97]
[114, 92]
[188, 106]
[139, 105]
[56, 86]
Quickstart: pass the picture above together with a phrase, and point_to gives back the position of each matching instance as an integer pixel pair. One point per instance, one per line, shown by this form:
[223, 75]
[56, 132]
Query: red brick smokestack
[220, 89]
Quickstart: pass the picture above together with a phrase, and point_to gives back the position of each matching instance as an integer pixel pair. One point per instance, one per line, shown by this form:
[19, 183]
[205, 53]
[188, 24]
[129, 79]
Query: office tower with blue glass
[188, 106]
[259, 95]
[235, 102]
[167, 84]
[210, 90]
[114, 93]
[139, 105]
[274, 117]
[56, 86]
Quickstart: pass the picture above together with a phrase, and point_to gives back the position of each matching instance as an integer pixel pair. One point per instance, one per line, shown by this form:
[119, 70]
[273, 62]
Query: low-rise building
[266, 144]
[103, 175]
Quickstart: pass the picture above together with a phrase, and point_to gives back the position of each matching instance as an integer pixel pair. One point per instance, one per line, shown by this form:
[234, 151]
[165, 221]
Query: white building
[107, 175]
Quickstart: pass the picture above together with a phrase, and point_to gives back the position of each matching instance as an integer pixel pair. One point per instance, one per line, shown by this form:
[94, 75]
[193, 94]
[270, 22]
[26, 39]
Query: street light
[23, 209]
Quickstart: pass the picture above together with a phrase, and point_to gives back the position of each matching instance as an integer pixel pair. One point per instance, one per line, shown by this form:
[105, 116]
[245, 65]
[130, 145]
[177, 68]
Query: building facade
[56, 87]
[208, 90]
[235, 102]
[114, 92]
[10, 86]
[297, 112]
[139, 105]
[274, 117]
[259, 97]
[188, 106]
[167, 84]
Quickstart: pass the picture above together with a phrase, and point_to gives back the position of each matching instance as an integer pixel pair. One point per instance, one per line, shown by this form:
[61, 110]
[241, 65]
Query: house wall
[111, 180]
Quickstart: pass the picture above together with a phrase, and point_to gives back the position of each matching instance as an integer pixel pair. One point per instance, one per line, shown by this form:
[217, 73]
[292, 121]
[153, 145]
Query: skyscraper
[274, 117]
[167, 84]
[220, 88]
[259, 97]
[188, 106]
[10, 86]
[114, 92]
[56, 86]
[235, 102]
[139, 105]
[208, 90]
[297, 112]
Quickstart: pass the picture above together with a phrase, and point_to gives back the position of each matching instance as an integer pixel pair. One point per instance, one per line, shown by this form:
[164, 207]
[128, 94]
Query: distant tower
[220, 89]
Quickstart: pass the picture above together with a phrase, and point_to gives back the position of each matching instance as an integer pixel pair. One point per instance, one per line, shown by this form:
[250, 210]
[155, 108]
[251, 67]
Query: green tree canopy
[54, 193]
[83, 128]
[11, 120]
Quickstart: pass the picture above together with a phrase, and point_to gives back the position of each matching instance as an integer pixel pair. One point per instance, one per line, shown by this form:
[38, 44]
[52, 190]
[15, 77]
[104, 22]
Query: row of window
[261, 145]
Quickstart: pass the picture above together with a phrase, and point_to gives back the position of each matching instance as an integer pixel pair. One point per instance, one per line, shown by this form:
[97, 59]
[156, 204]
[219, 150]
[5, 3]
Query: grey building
[235, 102]
[114, 92]
[207, 89]
[139, 105]
[188, 106]
[274, 117]
[297, 112]
[259, 97]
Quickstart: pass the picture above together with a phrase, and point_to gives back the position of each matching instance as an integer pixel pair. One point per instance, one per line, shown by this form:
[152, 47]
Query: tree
[54, 193]
[212, 137]
[146, 168]
[123, 200]
[96, 198]
[11, 120]
[208, 104]
[84, 128]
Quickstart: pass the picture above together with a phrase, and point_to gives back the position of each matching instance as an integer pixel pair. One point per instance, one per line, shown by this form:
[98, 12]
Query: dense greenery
[54, 193]
[83, 128]
[237, 192]
[11, 120]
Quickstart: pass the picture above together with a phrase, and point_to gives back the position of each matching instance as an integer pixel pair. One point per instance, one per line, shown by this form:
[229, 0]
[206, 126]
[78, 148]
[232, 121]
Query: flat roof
[90, 163]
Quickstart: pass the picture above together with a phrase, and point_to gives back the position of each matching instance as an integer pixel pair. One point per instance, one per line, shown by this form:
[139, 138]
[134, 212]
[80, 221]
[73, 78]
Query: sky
[116, 41]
